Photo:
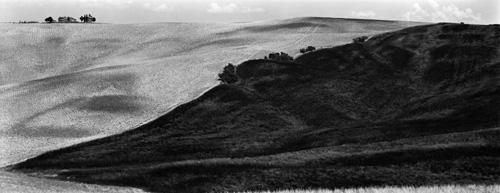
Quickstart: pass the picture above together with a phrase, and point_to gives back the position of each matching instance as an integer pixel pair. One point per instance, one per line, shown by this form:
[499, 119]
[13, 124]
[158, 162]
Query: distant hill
[65, 84]
[418, 106]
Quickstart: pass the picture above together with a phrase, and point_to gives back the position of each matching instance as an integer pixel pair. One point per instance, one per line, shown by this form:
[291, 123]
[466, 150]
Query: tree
[310, 48]
[93, 19]
[49, 20]
[81, 18]
[228, 75]
[85, 18]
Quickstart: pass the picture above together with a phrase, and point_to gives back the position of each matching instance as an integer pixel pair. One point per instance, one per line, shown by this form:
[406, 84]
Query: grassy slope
[61, 84]
[418, 106]
[423, 189]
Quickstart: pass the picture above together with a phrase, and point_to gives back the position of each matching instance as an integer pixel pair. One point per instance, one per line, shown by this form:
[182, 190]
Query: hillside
[418, 106]
[61, 84]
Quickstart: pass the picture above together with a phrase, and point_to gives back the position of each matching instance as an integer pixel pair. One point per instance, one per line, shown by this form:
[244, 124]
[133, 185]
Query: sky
[148, 11]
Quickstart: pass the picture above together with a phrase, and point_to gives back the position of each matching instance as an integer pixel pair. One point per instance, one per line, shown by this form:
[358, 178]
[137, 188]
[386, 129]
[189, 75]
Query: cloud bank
[441, 13]
[231, 8]
[107, 4]
[368, 14]
[159, 8]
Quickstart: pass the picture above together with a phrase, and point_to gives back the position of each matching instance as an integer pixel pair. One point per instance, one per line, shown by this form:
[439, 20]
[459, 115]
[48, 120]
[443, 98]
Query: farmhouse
[66, 19]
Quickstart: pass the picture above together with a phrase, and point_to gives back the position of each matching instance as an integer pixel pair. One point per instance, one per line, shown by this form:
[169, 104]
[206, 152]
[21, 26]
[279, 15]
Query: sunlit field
[427, 189]
[62, 84]
[14, 183]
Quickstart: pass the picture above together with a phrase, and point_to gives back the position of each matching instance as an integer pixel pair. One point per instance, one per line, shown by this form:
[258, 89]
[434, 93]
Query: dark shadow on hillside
[92, 77]
[111, 104]
[48, 132]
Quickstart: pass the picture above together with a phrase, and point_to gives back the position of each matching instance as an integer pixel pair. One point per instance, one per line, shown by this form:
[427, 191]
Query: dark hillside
[419, 106]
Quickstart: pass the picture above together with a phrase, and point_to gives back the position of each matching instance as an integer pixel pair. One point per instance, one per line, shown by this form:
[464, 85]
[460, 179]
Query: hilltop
[62, 84]
[418, 106]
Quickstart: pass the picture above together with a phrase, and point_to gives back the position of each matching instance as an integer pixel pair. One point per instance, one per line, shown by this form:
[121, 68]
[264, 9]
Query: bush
[360, 39]
[228, 75]
[49, 20]
[280, 56]
[308, 49]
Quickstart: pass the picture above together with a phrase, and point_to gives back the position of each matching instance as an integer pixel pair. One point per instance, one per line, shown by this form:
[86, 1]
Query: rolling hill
[61, 84]
[418, 106]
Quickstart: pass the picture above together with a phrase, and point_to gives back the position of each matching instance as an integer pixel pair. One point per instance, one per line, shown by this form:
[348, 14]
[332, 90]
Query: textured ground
[414, 107]
[424, 189]
[15, 183]
[66, 83]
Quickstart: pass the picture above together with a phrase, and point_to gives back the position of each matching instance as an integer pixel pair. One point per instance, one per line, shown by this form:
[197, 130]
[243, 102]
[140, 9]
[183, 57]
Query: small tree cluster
[228, 75]
[360, 39]
[308, 49]
[87, 18]
[279, 56]
[49, 20]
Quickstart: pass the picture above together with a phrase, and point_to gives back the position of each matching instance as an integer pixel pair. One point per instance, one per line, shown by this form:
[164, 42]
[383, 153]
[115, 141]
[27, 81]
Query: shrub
[280, 56]
[308, 49]
[49, 20]
[87, 18]
[228, 75]
[360, 39]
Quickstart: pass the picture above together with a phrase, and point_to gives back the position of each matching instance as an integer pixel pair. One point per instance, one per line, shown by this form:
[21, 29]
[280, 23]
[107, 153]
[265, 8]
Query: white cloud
[162, 7]
[433, 4]
[439, 13]
[107, 4]
[146, 5]
[251, 10]
[452, 13]
[231, 8]
[152, 5]
[418, 14]
[360, 14]
[159, 8]
[216, 8]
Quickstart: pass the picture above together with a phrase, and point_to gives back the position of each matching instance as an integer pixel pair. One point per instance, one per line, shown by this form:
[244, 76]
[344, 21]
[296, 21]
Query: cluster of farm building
[87, 18]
